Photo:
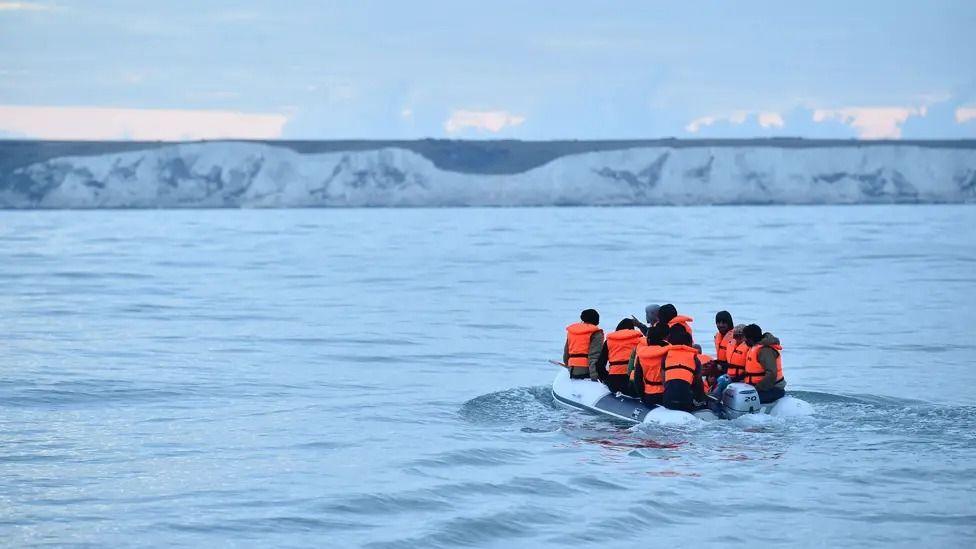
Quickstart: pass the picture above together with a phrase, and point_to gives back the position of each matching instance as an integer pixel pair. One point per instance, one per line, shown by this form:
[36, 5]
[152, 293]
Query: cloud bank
[106, 123]
[965, 114]
[765, 119]
[486, 121]
[871, 122]
[23, 6]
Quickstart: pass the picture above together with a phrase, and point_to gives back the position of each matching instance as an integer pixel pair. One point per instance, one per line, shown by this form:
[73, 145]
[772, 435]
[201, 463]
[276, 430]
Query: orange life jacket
[755, 371]
[650, 360]
[578, 340]
[620, 345]
[737, 360]
[722, 344]
[681, 363]
[705, 359]
[684, 321]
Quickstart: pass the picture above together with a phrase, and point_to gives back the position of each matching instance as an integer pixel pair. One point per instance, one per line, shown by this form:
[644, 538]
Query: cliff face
[236, 174]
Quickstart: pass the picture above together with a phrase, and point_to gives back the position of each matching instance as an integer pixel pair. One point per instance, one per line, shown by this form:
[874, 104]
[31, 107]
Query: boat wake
[533, 409]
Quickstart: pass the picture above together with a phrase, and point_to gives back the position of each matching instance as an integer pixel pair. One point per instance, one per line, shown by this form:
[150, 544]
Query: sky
[487, 70]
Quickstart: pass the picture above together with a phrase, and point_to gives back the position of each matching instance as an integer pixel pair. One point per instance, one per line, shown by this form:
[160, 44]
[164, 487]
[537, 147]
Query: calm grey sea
[378, 377]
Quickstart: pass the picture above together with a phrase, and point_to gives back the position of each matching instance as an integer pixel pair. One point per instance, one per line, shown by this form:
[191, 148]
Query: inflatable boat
[738, 399]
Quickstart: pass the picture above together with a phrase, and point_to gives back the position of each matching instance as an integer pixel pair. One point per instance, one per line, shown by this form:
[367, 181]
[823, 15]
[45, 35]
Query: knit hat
[666, 313]
[723, 316]
[590, 316]
[752, 332]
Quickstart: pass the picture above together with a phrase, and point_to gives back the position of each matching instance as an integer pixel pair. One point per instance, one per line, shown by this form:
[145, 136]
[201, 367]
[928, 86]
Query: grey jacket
[767, 357]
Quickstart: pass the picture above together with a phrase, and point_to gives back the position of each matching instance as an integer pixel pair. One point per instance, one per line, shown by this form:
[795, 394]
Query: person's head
[677, 335]
[737, 331]
[666, 313]
[590, 316]
[723, 321]
[752, 334]
[650, 313]
[656, 334]
[625, 324]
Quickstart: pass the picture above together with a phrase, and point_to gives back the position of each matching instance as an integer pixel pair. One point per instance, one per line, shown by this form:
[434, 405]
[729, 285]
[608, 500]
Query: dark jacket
[596, 345]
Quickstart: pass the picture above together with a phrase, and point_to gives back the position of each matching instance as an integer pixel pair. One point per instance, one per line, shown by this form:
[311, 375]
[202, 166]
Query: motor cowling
[739, 399]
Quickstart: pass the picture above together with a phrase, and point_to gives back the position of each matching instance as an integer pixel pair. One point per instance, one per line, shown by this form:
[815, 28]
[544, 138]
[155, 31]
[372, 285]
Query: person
[709, 369]
[646, 372]
[619, 346]
[735, 359]
[764, 364]
[584, 341]
[650, 314]
[668, 316]
[724, 335]
[682, 371]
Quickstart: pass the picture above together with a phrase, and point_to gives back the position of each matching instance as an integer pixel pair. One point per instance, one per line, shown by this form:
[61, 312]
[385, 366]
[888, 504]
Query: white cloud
[871, 122]
[766, 119]
[771, 120]
[139, 124]
[23, 6]
[699, 123]
[965, 114]
[406, 113]
[491, 121]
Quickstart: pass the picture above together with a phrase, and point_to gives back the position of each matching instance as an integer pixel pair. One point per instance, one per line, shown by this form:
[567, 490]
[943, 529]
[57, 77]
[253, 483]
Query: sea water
[379, 377]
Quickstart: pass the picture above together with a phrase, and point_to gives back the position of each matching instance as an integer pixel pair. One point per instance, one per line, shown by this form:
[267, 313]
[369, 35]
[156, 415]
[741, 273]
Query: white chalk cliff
[235, 174]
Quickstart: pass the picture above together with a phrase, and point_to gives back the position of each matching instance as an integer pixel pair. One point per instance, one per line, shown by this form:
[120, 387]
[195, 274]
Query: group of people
[659, 362]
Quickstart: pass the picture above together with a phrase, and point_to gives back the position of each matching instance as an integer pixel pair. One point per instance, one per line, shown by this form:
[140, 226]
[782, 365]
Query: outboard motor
[739, 399]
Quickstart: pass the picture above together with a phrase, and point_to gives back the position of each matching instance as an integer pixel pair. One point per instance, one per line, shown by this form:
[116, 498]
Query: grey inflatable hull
[594, 397]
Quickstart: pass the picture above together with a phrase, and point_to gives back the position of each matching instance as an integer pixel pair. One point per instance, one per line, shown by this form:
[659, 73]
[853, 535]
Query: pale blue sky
[527, 70]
